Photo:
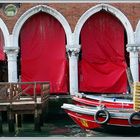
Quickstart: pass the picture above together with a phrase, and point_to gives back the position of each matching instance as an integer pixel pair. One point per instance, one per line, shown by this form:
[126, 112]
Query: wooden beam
[11, 121]
[37, 120]
[130, 79]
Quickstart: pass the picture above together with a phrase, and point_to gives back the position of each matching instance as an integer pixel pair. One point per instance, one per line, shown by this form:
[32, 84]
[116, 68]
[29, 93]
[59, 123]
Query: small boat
[94, 112]
[93, 118]
[124, 101]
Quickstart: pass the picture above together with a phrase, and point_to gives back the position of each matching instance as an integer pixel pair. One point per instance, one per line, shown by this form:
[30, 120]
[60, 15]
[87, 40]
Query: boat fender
[130, 119]
[100, 113]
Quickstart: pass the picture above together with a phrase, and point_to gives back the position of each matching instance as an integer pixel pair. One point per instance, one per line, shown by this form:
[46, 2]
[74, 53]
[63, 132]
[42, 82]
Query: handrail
[12, 92]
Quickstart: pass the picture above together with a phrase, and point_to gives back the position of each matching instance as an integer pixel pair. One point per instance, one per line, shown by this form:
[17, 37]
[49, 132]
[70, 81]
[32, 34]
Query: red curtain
[2, 54]
[43, 54]
[102, 67]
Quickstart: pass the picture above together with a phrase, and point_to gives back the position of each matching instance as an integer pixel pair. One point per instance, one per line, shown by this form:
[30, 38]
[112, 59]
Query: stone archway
[128, 28]
[45, 9]
[48, 11]
[5, 32]
[12, 51]
[123, 19]
[5, 42]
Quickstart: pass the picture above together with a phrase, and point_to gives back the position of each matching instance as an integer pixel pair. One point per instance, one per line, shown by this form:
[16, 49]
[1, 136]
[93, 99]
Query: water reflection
[54, 127]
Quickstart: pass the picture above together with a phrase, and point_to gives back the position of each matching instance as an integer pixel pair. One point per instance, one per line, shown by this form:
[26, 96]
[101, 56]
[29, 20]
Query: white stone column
[133, 50]
[73, 53]
[12, 63]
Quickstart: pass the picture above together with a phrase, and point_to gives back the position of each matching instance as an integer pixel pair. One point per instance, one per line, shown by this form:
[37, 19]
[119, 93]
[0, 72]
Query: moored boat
[99, 112]
[124, 101]
[98, 117]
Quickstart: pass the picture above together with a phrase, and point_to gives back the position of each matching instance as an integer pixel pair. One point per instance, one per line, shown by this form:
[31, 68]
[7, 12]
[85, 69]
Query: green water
[55, 127]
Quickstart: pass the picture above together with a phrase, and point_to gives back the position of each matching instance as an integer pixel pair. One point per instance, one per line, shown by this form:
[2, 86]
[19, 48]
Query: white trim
[45, 9]
[137, 41]
[12, 64]
[73, 53]
[5, 32]
[123, 19]
[137, 34]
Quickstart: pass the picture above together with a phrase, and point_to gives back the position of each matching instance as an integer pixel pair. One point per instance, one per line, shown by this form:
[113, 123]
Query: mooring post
[19, 116]
[37, 119]
[1, 129]
[41, 119]
[18, 120]
[11, 121]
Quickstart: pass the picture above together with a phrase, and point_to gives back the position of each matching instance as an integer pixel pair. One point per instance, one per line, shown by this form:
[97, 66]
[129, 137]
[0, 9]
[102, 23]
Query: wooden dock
[17, 99]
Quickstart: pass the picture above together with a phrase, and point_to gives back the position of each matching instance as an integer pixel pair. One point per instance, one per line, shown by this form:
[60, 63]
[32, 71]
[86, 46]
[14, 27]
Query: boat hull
[86, 119]
[97, 102]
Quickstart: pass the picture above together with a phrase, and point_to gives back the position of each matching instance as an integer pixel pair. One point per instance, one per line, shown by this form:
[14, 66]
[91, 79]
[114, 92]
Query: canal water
[58, 126]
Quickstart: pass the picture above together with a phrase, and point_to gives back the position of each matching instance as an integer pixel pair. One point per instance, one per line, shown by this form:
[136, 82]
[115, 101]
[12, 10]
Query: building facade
[71, 30]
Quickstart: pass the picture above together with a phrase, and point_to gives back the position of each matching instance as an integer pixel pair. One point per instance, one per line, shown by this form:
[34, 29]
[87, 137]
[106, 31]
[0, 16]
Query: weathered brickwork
[73, 11]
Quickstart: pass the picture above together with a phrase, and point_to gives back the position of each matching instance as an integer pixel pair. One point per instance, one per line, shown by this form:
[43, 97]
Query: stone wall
[73, 11]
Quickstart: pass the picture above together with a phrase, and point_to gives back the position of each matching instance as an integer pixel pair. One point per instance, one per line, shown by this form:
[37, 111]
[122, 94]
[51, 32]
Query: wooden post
[18, 120]
[37, 119]
[11, 121]
[1, 130]
[41, 118]
[130, 79]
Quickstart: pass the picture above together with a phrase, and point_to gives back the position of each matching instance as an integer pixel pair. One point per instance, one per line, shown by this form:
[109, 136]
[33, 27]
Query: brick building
[84, 47]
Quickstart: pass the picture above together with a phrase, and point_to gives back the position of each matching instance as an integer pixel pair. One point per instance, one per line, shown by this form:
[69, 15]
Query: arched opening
[103, 59]
[42, 55]
[3, 60]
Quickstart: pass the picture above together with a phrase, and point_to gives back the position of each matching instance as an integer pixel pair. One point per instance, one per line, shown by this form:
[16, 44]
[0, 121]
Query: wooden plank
[136, 89]
[130, 79]
[137, 104]
[136, 96]
[136, 93]
[22, 112]
[137, 83]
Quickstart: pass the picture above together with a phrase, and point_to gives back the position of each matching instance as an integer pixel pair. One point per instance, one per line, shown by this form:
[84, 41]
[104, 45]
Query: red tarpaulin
[43, 54]
[102, 67]
[2, 54]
